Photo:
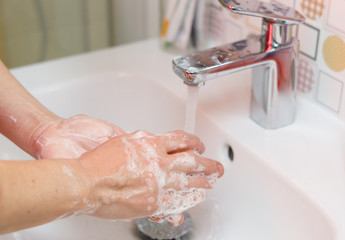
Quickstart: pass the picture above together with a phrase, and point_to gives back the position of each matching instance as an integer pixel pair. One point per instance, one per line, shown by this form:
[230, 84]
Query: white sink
[257, 198]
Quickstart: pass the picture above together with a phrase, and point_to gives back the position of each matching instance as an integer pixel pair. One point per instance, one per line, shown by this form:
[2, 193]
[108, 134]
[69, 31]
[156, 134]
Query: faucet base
[273, 94]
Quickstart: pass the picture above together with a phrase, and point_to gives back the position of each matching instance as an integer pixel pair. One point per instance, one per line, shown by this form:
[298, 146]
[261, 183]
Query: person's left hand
[70, 138]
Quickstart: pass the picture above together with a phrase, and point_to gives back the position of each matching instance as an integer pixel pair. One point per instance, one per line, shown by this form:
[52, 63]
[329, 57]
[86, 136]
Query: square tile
[312, 9]
[335, 15]
[309, 40]
[329, 92]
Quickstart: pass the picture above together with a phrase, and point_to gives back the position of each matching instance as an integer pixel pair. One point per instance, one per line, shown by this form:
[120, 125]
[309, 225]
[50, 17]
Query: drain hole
[142, 236]
[148, 230]
[230, 153]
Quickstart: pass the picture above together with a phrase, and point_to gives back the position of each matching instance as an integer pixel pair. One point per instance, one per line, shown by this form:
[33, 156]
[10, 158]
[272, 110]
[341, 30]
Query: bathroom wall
[322, 47]
[38, 30]
[322, 61]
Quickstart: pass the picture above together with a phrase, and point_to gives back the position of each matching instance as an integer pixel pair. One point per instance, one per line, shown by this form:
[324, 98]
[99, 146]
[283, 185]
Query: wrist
[89, 189]
[35, 146]
[78, 189]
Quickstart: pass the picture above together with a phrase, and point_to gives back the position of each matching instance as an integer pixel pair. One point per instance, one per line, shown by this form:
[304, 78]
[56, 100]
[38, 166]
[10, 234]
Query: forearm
[22, 117]
[37, 192]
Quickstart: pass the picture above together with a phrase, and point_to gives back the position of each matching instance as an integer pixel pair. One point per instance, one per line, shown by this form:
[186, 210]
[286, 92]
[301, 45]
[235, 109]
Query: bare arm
[130, 176]
[37, 192]
[22, 117]
[41, 133]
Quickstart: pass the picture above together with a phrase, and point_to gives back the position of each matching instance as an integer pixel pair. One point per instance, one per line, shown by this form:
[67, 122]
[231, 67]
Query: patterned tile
[313, 9]
[306, 76]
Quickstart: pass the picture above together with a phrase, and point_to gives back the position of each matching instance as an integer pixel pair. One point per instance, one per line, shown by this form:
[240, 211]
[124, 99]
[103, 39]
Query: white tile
[329, 92]
[335, 16]
[309, 39]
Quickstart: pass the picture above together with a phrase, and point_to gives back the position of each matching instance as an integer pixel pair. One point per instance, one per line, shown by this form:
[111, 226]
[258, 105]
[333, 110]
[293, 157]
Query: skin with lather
[87, 166]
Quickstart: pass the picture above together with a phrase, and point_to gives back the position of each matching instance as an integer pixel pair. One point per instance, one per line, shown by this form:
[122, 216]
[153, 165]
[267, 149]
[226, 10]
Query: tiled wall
[322, 61]
[322, 47]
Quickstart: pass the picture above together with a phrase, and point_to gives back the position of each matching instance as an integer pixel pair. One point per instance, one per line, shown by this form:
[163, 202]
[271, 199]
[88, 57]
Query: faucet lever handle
[273, 12]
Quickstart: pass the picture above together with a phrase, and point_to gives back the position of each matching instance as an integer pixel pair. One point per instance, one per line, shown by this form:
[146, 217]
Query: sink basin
[254, 200]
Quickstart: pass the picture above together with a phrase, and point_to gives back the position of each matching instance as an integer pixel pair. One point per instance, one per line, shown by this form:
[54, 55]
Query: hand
[72, 137]
[142, 175]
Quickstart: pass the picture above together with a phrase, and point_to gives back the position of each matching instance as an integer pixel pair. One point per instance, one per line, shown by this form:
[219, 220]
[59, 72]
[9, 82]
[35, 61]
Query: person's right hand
[144, 175]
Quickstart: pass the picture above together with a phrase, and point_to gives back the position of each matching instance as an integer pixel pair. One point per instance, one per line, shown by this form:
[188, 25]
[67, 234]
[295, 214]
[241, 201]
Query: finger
[155, 219]
[179, 141]
[175, 220]
[192, 163]
[139, 134]
[181, 182]
[174, 202]
[116, 131]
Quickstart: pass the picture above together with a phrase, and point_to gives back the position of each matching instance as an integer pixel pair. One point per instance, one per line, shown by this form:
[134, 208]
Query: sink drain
[142, 236]
[164, 231]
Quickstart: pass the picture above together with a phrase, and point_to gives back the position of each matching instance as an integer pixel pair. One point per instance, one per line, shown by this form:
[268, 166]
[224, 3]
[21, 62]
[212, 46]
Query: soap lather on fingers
[154, 176]
[191, 174]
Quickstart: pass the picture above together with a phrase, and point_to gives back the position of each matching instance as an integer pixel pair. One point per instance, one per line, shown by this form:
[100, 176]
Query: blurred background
[38, 30]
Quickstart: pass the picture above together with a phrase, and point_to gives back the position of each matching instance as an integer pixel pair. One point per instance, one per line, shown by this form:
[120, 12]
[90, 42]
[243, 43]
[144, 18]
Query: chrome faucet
[272, 56]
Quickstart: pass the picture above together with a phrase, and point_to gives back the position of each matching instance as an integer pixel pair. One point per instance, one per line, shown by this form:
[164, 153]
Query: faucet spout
[199, 67]
[272, 56]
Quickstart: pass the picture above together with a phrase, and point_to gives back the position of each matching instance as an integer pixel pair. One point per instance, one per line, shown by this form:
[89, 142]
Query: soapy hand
[144, 175]
[70, 138]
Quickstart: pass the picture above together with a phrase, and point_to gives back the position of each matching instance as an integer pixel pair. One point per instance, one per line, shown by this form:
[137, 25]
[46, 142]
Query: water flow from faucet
[151, 230]
[191, 106]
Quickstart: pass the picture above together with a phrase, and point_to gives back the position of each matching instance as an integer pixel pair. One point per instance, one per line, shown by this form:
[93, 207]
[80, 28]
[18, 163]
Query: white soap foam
[184, 160]
[178, 178]
[170, 202]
